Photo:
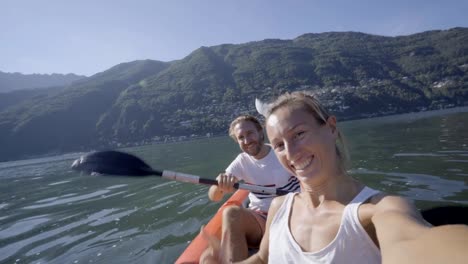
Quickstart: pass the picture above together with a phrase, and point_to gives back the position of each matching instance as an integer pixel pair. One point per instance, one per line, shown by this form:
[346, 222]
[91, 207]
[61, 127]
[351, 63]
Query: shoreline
[417, 115]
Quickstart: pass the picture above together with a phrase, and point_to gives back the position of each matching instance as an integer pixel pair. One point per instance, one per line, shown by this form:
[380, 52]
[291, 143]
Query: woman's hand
[213, 253]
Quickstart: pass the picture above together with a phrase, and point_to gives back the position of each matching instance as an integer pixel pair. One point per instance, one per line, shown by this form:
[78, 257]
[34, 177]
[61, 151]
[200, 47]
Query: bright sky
[90, 36]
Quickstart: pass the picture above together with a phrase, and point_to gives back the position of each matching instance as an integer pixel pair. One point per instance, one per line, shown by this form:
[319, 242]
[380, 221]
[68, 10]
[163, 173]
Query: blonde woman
[335, 218]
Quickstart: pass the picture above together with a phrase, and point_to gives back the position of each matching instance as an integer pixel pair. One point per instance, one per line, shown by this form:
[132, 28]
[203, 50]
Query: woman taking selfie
[335, 218]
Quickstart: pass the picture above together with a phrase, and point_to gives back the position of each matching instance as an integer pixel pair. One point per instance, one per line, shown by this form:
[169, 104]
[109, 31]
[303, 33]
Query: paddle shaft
[184, 177]
[124, 164]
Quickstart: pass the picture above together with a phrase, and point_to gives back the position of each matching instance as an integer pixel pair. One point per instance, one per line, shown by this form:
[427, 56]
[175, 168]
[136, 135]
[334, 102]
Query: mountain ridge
[355, 74]
[18, 81]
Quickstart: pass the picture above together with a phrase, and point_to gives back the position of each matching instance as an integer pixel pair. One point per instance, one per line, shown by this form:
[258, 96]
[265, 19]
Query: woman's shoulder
[279, 200]
[383, 203]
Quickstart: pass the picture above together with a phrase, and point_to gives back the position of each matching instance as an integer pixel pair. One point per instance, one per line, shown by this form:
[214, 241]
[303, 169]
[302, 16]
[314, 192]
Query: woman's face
[302, 145]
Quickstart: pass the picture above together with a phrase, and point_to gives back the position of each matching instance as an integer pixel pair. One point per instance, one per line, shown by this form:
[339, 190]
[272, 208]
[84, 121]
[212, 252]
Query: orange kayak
[194, 250]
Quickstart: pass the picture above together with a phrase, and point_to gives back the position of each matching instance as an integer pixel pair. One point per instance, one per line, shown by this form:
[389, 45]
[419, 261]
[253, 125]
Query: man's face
[250, 140]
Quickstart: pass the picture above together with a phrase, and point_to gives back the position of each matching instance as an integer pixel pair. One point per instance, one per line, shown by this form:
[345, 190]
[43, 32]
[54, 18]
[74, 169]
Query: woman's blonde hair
[306, 101]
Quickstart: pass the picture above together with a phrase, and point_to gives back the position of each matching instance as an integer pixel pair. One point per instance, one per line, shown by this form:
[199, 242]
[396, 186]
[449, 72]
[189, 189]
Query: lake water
[50, 214]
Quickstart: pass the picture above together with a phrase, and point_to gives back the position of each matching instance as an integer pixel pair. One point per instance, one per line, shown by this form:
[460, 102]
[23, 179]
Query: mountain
[17, 81]
[12, 98]
[356, 75]
[66, 119]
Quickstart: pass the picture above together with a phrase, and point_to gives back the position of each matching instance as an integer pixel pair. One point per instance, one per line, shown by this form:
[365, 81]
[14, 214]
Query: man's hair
[241, 118]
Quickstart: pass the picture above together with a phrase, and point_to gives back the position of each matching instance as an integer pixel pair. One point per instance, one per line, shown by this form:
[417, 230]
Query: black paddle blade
[113, 163]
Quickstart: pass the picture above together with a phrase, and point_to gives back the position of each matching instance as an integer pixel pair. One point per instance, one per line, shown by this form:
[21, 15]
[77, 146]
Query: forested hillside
[357, 75]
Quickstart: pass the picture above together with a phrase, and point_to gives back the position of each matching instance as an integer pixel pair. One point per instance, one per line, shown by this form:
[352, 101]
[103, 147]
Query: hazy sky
[90, 36]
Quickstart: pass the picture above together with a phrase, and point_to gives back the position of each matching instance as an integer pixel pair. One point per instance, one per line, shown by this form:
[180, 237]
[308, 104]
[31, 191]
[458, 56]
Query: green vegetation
[357, 75]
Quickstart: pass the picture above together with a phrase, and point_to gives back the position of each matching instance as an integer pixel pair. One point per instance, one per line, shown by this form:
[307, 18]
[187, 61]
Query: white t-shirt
[266, 172]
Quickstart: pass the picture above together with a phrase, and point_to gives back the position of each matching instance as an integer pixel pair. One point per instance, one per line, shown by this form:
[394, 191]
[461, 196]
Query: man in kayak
[258, 165]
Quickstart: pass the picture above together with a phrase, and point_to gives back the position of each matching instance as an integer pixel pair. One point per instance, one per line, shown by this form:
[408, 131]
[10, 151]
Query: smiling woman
[335, 218]
[304, 136]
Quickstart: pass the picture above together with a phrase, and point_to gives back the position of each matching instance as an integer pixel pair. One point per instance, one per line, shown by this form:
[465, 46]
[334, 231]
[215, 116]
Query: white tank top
[352, 244]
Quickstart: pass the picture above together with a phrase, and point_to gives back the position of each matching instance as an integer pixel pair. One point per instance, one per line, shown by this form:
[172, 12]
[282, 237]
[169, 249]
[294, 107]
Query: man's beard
[255, 151]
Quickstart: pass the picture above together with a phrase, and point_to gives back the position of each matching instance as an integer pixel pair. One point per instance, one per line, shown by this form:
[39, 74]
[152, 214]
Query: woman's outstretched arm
[404, 237]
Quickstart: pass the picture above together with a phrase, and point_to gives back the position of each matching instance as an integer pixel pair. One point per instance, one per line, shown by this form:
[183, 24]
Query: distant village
[332, 97]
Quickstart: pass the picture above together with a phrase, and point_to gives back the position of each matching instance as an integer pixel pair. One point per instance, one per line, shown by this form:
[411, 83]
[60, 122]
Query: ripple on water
[13, 248]
[112, 217]
[193, 202]
[164, 201]
[68, 200]
[168, 197]
[418, 155]
[20, 163]
[113, 194]
[116, 186]
[161, 185]
[23, 226]
[57, 183]
[414, 181]
[55, 198]
[160, 205]
[454, 151]
[453, 160]
[111, 244]
[60, 242]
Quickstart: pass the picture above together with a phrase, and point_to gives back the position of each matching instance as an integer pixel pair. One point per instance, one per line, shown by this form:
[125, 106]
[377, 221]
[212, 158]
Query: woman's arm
[404, 237]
